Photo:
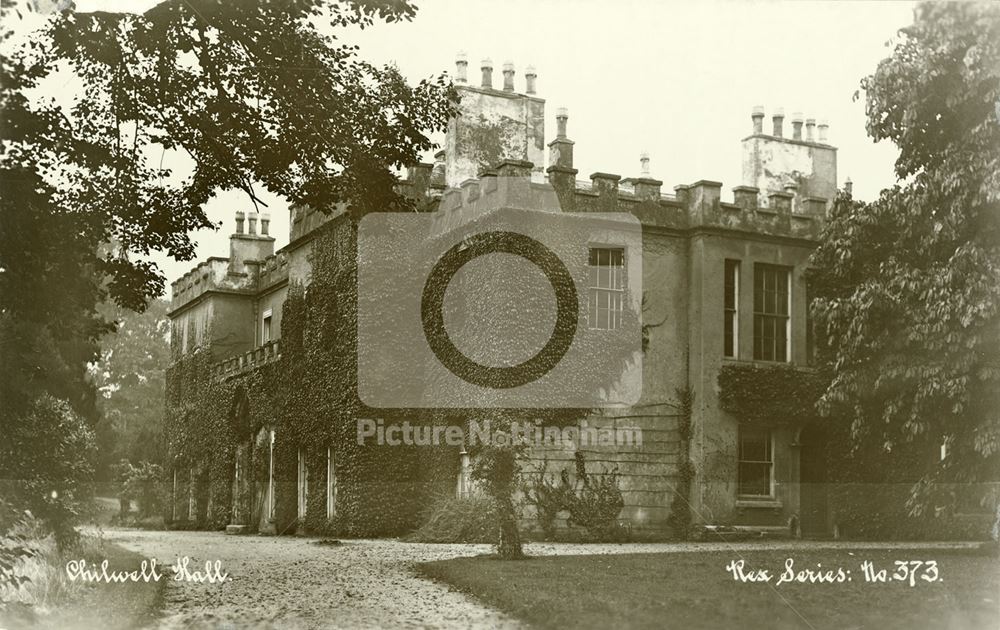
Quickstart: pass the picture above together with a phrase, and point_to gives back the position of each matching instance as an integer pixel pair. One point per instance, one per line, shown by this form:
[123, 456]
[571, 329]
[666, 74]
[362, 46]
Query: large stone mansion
[725, 285]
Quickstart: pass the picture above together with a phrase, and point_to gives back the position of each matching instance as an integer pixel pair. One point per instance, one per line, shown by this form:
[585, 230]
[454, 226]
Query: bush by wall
[458, 520]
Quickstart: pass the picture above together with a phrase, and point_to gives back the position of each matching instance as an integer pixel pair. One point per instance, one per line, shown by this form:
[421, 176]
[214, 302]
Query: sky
[675, 79]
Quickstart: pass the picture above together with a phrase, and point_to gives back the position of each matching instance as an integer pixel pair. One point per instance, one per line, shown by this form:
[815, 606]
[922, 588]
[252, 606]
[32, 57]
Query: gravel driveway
[289, 582]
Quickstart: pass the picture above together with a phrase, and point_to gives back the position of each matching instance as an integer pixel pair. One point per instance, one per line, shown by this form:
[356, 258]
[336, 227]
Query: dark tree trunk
[509, 547]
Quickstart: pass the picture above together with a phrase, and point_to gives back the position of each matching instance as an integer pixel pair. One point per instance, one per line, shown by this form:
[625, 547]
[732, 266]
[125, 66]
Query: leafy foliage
[129, 377]
[591, 501]
[596, 502]
[908, 286]
[245, 94]
[547, 496]
[15, 546]
[144, 485]
[250, 92]
[680, 506]
[48, 458]
[49, 324]
[771, 394]
[309, 397]
[457, 520]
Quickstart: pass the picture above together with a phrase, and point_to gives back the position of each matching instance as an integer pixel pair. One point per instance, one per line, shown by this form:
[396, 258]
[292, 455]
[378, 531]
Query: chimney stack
[249, 246]
[561, 173]
[530, 75]
[811, 129]
[508, 76]
[438, 172]
[487, 67]
[561, 149]
[562, 115]
[823, 127]
[778, 118]
[758, 119]
[797, 126]
[461, 67]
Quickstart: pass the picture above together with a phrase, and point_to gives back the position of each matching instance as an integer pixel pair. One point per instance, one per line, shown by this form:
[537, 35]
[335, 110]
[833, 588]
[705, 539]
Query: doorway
[813, 485]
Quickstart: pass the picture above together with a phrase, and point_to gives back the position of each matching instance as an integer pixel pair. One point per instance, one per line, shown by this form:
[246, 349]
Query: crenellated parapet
[273, 270]
[697, 206]
[211, 275]
[250, 360]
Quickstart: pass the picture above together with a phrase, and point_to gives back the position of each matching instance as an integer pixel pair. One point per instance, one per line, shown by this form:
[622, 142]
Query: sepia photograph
[533, 314]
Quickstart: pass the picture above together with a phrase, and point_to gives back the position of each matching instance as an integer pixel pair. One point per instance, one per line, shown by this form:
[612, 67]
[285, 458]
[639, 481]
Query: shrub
[592, 501]
[453, 520]
[548, 497]
[15, 548]
[48, 455]
[35, 587]
[596, 504]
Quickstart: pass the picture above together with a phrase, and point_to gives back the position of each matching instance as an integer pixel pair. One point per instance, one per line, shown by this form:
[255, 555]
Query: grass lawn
[695, 590]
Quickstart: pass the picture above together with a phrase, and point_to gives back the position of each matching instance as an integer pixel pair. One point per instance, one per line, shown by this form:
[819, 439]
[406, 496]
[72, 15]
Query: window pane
[755, 463]
[729, 318]
[754, 442]
[757, 341]
[758, 289]
[771, 296]
[606, 276]
[755, 479]
[780, 342]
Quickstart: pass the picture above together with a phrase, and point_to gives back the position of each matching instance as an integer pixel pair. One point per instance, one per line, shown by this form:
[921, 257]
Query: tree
[252, 93]
[908, 286]
[129, 377]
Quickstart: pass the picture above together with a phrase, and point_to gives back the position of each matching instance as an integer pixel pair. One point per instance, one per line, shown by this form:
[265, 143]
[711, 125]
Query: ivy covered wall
[308, 397]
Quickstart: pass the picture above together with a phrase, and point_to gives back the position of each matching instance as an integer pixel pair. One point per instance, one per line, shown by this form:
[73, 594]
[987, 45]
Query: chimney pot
[240, 218]
[461, 67]
[644, 161]
[849, 186]
[530, 75]
[508, 76]
[757, 115]
[487, 68]
[562, 115]
[797, 126]
[778, 118]
[811, 129]
[252, 224]
[265, 221]
[823, 127]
